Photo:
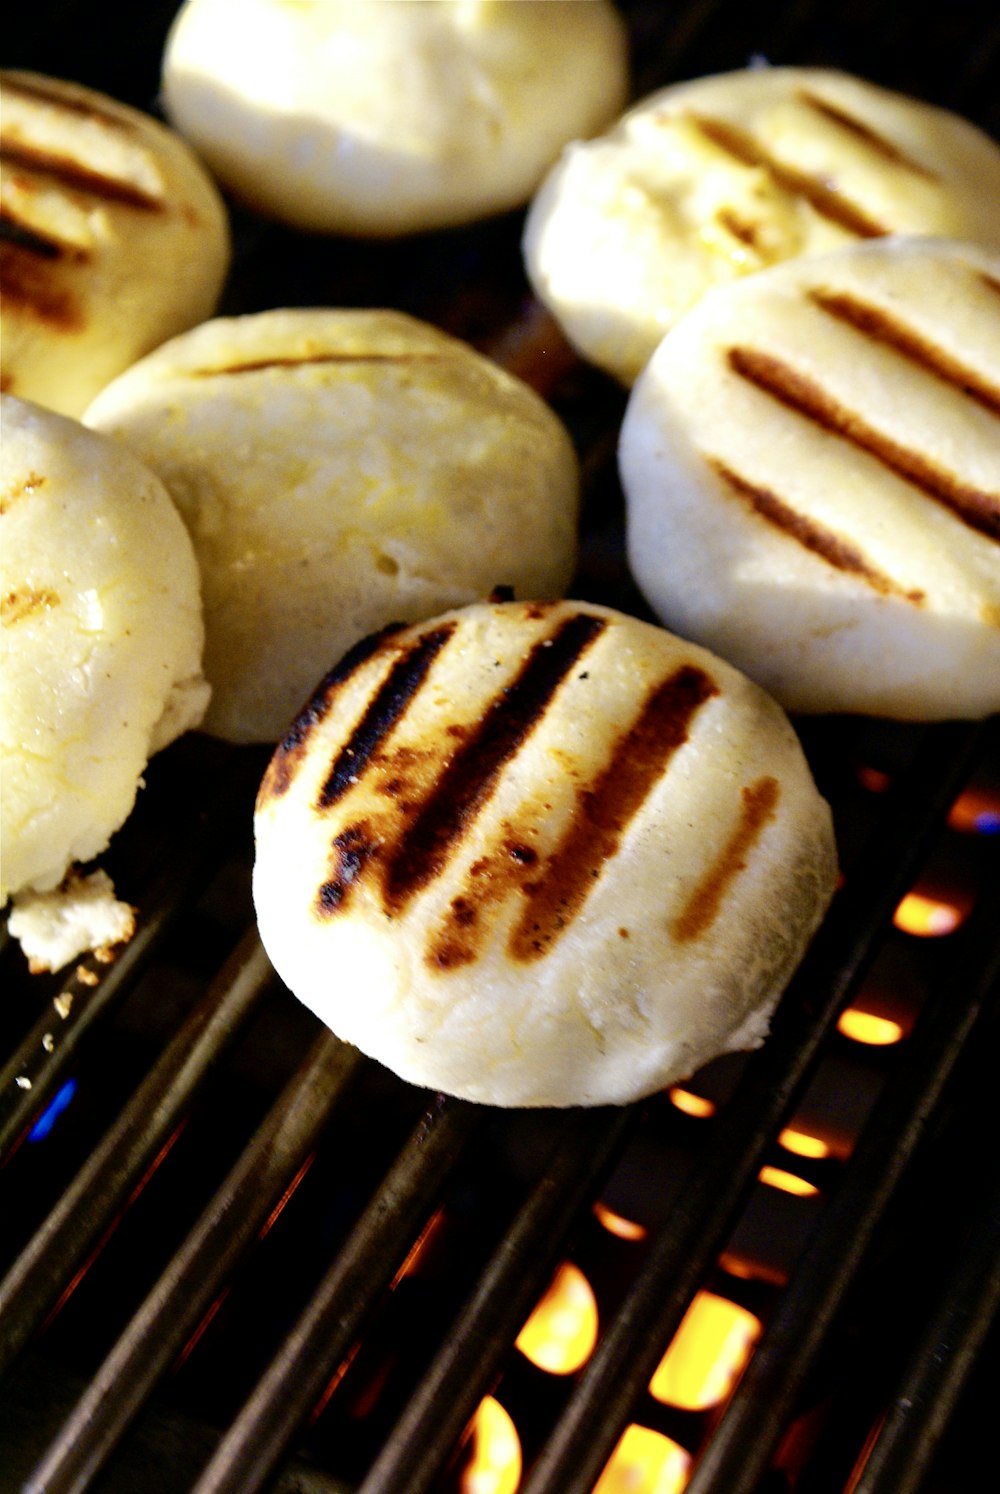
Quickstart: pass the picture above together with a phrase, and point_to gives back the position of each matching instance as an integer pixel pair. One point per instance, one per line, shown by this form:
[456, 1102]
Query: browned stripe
[386, 707]
[30, 283]
[22, 235]
[292, 748]
[261, 364]
[825, 543]
[759, 806]
[991, 282]
[471, 775]
[741, 228]
[605, 809]
[881, 326]
[978, 509]
[17, 605]
[21, 489]
[37, 88]
[74, 176]
[887, 149]
[822, 199]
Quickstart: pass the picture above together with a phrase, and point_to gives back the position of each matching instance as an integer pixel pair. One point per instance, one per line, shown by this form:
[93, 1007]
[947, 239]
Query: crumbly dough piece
[540, 854]
[117, 239]
[811, 462]
[382, 117]
[338, 471]
[101, 639]
[708, 181]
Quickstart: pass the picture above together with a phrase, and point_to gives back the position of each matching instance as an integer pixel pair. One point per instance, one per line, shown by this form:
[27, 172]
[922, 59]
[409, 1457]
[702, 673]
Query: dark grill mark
[878, 143]
[29, 281]
[470, 777]
[825, 201]
[351, 851]
[17, 605]
[760, 803]
[86, 108]
[76, 177]
[291, 749]
[746, 232]
[880, 326]
[20, 236]
[977, 509]
[825, 543]
[466, 926]
[605, 809]
[401, 684]
[262, 364]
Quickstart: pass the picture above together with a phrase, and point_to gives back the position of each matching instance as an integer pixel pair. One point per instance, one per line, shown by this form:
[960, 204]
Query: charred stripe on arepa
[261, 365]
[798, 392]
[606, 807]
[75, 176]
[469, 778]
[759, 804]
[880, 325]
[837, 551]
[26, 602]
[881, 146]
[30, 483]
[829, 204]
[36, 87]
[30, 265]
[292, 747]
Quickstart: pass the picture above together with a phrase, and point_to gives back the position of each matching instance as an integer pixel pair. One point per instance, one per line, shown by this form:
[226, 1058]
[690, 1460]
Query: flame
[692, 1104]
[615, 1224]
[788, 1182]
[802, 1144]
[561, 1332]
[866, 1027]
[927, 917]
[708, 1352]
[644, 1462]
[496, 1452]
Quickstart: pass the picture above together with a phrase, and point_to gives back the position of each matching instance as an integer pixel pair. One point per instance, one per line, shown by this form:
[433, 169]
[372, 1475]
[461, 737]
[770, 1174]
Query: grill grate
[245, 1258]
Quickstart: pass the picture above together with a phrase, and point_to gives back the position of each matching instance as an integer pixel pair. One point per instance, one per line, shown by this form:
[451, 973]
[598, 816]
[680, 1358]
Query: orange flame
[561, 1332]
[496, 1452]
[692, 1104]
[802, 1144]
[787, 1182]
[645, 1462]
[866, 1027]
[708, 1352]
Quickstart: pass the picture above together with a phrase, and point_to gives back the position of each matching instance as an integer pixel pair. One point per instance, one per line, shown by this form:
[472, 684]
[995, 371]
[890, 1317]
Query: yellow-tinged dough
[101, 639]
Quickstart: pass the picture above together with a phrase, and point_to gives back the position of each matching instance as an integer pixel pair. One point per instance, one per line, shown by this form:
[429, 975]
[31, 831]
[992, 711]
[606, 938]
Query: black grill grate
[245, 1258]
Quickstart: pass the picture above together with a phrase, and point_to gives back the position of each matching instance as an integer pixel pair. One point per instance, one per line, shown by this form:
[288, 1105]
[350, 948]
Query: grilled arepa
[102, 636]
[708, 181]
[811, 462]
[382, 117]
[540, 854]
[115, 239]
[339, 470]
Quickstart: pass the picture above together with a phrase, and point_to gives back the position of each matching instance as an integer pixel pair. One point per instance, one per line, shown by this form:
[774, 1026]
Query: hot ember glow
[615, 1224]
[709, 1351]
[495, 1467]
[976, 812]
[802, 1144]
[692, 1104]
[787, 1182]
[561, 1332]
[645, 1462]
[866, 1027]
[927, 917]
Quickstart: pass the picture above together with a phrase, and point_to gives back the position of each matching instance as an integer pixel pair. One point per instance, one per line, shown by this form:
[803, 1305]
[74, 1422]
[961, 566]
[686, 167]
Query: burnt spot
[385, 709]
[293, 746]
[742, 229]
[606, 807]
[75, 177]
[18, 605]
[823, 199]
[880, 326]
[350, 852]
[21, 490]
[759, 804]
[837, 551]
[878, 144]
[470, 776]
[977, 509]
[490, 882]
[32, 267]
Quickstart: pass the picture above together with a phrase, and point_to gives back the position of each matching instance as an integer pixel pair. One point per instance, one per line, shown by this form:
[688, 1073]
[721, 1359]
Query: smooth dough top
[380, 117]
[101, 637]
[540, 854]
[708, 181]
[338, 471]
[811, 463]
[117, 239]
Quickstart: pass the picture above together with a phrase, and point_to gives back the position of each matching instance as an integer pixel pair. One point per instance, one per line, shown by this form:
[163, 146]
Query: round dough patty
[101, 633]
[340, 470]
[540, 854]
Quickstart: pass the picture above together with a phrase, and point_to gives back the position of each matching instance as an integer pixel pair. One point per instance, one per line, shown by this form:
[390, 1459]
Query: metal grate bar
[199, 1270]
[361, 1272]
[99, 1194]
[741, 1448]
[631, 1347]
[472, 1356]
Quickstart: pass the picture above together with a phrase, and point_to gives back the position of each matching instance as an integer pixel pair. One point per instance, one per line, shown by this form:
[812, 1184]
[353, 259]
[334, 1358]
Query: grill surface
[240, 1256]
